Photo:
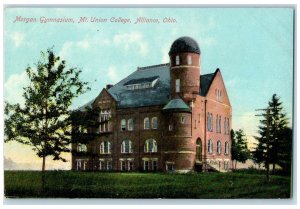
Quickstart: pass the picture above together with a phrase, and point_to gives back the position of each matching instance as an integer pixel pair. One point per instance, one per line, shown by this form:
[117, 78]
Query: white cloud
[17, 38]
[13, 88]
[129, 40]
[165, 55]
[112, 74]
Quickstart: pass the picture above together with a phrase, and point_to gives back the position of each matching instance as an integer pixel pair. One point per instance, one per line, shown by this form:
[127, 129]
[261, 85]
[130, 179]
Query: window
[123, 124]
[81, 165]
[130, 124]
[123, 165]
[210, 122]
[130, 165]
[150, 145]
[219, 147]
[146, 165]
[81, 147]
[226, 126]
[105, 147]
[177, 85]
[210, 147]
[218, 124]
[182, 119]
[177, 60]
[154, 122]
[154, 165]
[170, 166]
[126, 146]
[189, 60]
[146, 123]
[226, 148]
[171, 127]
[101, 165]
[109, 165]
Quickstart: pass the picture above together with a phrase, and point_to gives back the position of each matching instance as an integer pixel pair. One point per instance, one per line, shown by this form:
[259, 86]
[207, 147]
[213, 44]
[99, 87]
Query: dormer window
[177, 60]
[141, 83]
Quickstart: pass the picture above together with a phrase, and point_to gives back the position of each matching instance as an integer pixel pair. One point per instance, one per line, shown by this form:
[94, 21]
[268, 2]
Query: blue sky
[253, 47]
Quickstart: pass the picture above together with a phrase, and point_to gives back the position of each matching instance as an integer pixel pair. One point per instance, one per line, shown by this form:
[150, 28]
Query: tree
[273, 140]
[44, 123]
[239, 147]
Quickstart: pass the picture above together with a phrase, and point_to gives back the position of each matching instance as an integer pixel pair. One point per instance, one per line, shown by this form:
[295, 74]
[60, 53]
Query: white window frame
[154, 123]
[177, 85]
[189, 60]
[147, 146]
[146, 123]
[144, 165]
[130, 124]
[177, 60]
[123, 146]
[102, 147]
[210, 146]
[219, 147]
[226, 148]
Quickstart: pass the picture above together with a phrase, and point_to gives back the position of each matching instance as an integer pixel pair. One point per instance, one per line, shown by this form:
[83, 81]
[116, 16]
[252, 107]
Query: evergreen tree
[44, 123]
[239, 147]
[273, 140]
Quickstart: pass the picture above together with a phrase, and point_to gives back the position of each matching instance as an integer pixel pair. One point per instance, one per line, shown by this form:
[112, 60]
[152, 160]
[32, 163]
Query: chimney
[108, 86]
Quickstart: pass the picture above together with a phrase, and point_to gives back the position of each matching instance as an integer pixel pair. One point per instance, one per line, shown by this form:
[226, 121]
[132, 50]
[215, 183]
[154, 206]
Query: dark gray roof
[157, 95]
[141, 80]
[184, 44]
[205, 81]
[177, 105]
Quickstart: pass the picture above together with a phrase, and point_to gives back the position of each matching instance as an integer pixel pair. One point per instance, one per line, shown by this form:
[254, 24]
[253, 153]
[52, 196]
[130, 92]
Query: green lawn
[71, 184]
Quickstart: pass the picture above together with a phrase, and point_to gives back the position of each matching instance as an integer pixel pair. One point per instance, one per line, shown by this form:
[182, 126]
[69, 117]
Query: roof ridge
[152, 66]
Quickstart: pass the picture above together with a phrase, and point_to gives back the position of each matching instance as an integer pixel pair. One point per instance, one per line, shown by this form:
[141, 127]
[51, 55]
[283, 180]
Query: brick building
[164, 117]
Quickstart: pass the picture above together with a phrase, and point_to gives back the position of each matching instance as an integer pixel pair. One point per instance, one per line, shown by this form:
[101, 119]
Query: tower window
[177, 85]
[189, 60]
[177, 60]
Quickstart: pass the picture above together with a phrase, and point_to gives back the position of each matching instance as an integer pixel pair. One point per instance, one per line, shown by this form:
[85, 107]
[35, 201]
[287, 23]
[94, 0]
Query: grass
[70, 184]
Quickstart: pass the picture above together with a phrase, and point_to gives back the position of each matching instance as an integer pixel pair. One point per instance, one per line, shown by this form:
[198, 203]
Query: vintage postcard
[148, 102]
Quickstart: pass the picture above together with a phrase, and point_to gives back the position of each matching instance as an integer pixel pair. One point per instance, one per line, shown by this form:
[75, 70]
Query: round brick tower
[179, 153]
[185, 68]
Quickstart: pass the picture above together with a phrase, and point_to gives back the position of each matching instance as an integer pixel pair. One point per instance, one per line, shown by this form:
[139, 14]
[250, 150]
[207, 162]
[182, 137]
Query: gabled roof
[177, 105]
[206, 81]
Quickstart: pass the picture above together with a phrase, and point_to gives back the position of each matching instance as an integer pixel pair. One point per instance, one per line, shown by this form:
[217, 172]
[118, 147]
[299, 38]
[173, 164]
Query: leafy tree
[273, 142]
[44, 123]
[239, 147]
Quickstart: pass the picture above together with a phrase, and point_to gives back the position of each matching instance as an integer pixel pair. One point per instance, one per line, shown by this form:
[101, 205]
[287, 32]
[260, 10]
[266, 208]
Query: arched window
[130, 124]
[126, 146]
[219, 147]
[81, 147]
[146, 123]
[226, 148]
[123, 124]
[105, 147]
[150, 146]
[210, 146]
[154, 123]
